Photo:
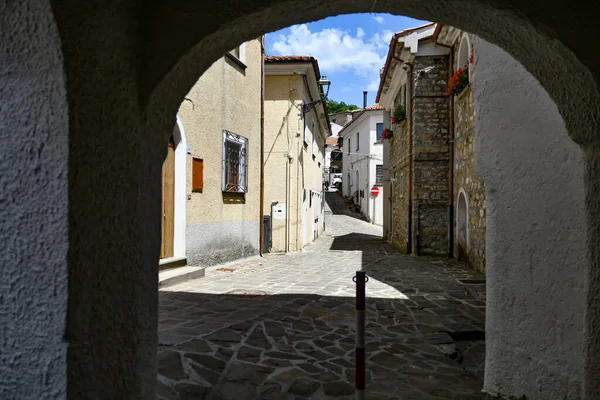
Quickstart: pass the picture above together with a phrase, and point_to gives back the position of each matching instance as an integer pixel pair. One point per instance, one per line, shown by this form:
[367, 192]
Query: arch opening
[167, 81]
[462, 222]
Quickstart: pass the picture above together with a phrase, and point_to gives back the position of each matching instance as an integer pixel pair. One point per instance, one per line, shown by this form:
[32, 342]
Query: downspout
[451, 155]
[262, 145]
[410, 157]
[287, 204]
[298, 198]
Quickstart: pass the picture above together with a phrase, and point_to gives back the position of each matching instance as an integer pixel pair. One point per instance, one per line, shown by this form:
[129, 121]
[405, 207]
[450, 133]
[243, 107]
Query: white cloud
[381, 40]
[335, 49]
[378, 18]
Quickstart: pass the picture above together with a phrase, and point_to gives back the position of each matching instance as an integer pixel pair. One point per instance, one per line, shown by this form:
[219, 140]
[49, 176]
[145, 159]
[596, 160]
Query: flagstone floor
[282, 326]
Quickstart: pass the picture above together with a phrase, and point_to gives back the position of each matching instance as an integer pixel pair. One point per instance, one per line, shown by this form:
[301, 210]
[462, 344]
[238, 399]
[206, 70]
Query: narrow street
[282, 326]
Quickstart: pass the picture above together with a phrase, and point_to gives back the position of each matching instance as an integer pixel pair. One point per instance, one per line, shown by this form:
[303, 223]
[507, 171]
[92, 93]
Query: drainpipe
[298, 248]
[410, 156]
[287, 204]
[262, 145]
[451, 156]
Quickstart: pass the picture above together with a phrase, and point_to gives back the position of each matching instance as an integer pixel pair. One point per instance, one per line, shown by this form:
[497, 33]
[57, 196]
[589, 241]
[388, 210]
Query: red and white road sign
[374, 190]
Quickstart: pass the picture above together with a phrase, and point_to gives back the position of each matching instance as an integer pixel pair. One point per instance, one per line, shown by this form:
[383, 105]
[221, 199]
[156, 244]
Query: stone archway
[127, 68]
[462, 227]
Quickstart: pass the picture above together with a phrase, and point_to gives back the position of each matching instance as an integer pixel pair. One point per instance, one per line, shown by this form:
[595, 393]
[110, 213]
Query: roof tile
[289, 58]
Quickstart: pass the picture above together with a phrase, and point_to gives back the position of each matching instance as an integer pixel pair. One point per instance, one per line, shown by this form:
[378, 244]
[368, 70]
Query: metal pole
[359, 356]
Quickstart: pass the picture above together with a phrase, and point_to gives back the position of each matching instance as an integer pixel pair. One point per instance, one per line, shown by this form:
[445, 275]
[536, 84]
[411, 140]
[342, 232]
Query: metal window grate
[379, 175]
[235, 163]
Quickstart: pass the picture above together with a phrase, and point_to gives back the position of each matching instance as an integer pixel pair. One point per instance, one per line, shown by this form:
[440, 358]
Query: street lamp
[324, 84]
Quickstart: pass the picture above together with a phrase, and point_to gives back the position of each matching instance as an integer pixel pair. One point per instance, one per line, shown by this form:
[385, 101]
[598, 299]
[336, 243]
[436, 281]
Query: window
[357, 140]
[197, 174]
[349, 146]
[239, 52]
[464, 50]
[379, 175]
[235, 163]
[379, 132]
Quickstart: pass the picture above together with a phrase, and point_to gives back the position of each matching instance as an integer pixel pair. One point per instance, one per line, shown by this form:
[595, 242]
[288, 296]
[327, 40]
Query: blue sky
[351, 50]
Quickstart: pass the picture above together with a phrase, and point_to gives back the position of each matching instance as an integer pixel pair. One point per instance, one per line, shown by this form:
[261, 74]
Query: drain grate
[244, 292]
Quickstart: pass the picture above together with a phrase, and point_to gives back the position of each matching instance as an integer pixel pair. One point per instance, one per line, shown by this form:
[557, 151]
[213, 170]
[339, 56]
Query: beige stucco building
[294, 151]
[217, 164]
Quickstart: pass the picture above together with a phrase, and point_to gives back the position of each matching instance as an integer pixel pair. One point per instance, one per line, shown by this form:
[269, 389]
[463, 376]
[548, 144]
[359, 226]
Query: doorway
[462, 227]
[168, 203]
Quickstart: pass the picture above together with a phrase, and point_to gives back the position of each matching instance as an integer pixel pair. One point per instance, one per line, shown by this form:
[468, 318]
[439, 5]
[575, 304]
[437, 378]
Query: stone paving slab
[282, 326]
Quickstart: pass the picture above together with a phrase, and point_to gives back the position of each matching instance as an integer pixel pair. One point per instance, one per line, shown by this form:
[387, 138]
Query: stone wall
[466, 180]
[399, 173]
[430, 155]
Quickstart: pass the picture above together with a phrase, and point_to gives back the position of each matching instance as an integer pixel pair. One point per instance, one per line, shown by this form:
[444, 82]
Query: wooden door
[168, 202]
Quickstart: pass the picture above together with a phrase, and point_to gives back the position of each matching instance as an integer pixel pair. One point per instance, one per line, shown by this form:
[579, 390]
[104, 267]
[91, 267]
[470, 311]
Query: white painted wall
[34, 216]
[364, 160]
[335, 130]
[536, 236]
[180, 189]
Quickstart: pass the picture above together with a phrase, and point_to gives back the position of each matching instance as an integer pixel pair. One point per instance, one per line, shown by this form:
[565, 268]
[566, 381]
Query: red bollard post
[359, 355]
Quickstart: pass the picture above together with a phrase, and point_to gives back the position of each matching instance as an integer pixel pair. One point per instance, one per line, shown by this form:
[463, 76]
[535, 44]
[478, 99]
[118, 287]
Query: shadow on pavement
[302, 347]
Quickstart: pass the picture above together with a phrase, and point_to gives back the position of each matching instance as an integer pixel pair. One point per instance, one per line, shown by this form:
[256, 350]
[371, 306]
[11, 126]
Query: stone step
[171, 262]
[175, 276]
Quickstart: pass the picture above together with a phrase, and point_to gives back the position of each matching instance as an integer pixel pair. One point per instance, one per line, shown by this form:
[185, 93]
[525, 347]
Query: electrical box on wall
[279, 211]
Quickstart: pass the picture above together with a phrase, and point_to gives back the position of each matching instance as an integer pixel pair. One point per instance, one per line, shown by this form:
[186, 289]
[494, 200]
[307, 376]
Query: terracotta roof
[289, 58]
[407, 30]
[375, 106]
[332, 140]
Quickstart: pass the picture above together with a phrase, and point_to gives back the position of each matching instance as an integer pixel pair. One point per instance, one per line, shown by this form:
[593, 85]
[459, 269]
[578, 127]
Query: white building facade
[363, 162]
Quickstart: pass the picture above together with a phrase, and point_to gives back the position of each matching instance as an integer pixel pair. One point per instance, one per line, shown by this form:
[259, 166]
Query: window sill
[459, 96]
[378, 142]
[234, 197]
[238, 63]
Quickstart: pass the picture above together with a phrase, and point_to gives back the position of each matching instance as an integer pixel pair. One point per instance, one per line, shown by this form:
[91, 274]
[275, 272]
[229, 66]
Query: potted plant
[460, 79]
[399, 114]
[458, 82]
[387, 134]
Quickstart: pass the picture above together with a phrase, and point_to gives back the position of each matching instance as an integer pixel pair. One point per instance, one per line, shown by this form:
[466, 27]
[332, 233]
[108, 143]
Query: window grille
[235, 163]
[379, 175]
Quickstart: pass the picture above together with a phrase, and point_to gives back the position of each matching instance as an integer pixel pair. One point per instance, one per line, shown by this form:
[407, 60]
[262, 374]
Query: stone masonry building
[436, 202]
[468, 189]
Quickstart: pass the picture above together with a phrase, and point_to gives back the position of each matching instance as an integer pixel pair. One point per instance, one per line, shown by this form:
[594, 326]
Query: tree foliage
[336, 107]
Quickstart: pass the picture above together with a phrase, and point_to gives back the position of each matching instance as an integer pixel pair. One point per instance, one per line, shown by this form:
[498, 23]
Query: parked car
[335, 178]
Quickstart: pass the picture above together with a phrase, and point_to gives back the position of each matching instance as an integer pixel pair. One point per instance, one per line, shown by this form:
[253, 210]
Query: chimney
[364, 99]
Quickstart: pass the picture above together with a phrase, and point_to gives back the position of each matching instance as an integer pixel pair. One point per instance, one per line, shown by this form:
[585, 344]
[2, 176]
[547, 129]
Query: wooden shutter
[197, 174]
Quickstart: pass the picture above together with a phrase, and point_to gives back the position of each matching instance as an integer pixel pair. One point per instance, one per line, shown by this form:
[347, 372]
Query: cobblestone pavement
[282, 326]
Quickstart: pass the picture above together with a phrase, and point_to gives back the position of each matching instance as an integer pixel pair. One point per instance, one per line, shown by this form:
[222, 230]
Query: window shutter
[197, 174]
